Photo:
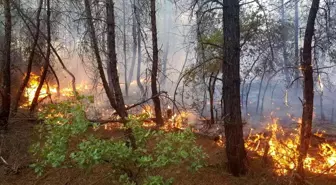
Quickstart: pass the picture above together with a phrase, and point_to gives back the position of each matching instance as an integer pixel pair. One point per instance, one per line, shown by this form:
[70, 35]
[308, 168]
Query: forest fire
[32, 87]
[281, 146]
[276, 143]
[48, 90]
[177, 121]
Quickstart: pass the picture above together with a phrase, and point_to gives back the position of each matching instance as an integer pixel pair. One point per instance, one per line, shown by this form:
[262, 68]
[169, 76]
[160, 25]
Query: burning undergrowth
[50, 90]
[281, 146]
[276, 145]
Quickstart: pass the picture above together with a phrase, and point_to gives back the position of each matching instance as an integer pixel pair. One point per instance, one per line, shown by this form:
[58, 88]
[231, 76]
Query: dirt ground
[14, 147]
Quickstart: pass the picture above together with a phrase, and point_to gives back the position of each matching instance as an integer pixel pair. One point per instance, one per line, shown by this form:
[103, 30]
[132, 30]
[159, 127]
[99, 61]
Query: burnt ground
[14, 149]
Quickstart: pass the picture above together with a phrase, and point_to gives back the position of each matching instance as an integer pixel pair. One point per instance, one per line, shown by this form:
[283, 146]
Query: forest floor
[16, 142]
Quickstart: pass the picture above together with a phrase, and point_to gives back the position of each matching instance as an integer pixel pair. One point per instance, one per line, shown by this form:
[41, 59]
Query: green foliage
[62, 121]
[65, 123]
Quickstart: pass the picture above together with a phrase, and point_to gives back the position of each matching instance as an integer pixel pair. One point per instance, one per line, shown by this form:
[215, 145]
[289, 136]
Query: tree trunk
[284, 42]
[30, 62]
[167, 25]
[124, 48]
[296, 41]
[247, 94]
[231, 112]
[154, 73]
[112, 56]
[308, 89]
[134, 49]
[57, 80]
[263, 98]
[211, 89]
[46, 63]
[6, 73]
[138, 79]
[260, 87]
[332, 112]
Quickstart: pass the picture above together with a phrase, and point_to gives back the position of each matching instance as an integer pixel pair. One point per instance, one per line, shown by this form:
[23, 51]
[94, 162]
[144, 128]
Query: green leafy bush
[65, 123]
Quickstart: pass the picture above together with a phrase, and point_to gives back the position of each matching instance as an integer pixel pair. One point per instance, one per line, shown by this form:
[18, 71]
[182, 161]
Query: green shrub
[65, 123]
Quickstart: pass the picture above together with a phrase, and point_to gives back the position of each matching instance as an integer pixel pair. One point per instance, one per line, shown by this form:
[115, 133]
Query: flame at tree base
[282, 149]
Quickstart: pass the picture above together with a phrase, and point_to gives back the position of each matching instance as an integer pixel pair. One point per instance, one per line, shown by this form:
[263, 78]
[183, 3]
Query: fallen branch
[144, 101]
[102, 122]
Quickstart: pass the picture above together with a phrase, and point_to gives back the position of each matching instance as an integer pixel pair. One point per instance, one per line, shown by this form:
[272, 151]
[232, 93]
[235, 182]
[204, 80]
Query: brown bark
[231, 112]
[308, 89]
[46, 63]
[154, 74]
[6, 74]
[112, 56]
[30, 62]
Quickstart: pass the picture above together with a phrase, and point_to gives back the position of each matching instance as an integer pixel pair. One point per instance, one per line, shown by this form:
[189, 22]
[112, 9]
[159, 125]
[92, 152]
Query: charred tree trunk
[112, 56]
[30, 62]
[46, 63]
[308, 89]
[211, 89]
[6, 73]
[231, 112]
[154, 72]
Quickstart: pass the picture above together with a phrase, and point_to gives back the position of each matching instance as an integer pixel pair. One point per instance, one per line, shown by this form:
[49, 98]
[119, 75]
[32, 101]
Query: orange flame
[281, 147]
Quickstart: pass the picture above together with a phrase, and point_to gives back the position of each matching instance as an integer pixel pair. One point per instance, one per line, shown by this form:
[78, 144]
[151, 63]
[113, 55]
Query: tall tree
[6, 72]
[308, 88]
[296, 39]
[284, 41]
[154, 73]
[138, 78]
[231, 112]
[134, 44]
[124, 48]
[166, 27]
[46, 62]
[112, 57]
